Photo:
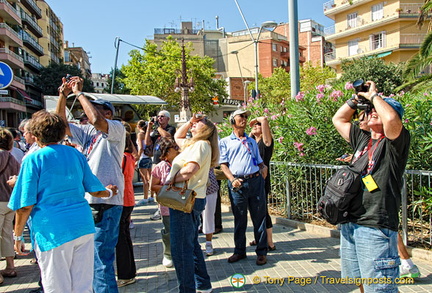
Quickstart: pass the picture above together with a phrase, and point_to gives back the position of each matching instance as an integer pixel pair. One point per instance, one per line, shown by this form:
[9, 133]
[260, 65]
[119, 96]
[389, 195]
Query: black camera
[363, 104]
[68, 77]
[360, 86]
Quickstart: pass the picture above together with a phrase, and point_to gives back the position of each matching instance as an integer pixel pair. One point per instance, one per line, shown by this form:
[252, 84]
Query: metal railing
[10, 7]
[31, 21]
[4, 25]
[13, 54]
[27, 38]
[296, 189]
[12, 100]
[34, 6]
[32, 60]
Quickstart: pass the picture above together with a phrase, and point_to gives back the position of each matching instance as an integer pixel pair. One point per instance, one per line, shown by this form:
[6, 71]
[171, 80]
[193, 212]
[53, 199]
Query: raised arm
[64, 91]
[96, 118]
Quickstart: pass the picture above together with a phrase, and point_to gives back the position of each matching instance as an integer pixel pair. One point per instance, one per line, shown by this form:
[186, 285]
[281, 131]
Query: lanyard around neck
[371, 151]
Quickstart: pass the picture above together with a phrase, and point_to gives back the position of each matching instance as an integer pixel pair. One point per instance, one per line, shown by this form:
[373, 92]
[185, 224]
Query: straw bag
[178, 198]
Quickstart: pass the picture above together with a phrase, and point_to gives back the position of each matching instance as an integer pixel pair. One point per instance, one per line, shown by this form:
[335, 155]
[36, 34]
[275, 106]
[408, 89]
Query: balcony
[12, 104]
[18, 82]
[32, 7]
[54, 43]
[337, 6]
[7, 33]
[174, 31]
[31, 24]
[411, 41]
[11, 58]
[32, 62]
[30, 81]
[9, 13]
[32, 44]
[54, 58]
[329, 56]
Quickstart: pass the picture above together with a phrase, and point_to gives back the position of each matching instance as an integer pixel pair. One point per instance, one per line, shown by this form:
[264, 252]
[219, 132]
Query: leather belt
[249, 176]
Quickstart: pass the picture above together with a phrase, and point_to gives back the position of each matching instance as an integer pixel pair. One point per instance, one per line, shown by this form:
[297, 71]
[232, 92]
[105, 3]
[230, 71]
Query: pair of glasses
[243, 116]
[161, 116]
[259, 124]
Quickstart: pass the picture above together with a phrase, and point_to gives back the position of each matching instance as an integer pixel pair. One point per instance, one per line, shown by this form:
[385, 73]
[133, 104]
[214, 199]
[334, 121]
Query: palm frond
[426, 46]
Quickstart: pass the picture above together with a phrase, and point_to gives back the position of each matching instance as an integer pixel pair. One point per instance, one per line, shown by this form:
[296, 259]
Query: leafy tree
[275, 88]
[50, 78]
[154, 72]
[386, 76]
[119, 86]
[310, 76]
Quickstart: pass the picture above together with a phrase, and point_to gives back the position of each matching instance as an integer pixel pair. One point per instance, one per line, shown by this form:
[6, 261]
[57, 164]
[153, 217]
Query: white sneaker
[142, 202]
[131, 225]
[167, 262]
[413, 272]
[209, 249]
[156, 216]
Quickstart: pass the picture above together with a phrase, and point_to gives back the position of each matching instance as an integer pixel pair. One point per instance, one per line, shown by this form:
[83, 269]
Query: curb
[416, 253]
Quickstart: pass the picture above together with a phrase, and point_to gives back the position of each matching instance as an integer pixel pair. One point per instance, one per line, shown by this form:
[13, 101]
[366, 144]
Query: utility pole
[294, 47]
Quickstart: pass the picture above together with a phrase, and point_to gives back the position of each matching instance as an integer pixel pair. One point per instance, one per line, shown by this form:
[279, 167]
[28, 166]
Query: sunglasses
[243, 116]
[161, 116]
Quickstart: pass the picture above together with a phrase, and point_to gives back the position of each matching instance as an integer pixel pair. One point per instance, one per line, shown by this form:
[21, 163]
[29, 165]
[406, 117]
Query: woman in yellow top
[197, 155]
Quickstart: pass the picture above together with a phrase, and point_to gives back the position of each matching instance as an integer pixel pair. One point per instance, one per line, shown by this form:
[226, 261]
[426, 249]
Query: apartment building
[311, 38]
[100, 81]
[52, 38]
[386, 29]
[78, 57]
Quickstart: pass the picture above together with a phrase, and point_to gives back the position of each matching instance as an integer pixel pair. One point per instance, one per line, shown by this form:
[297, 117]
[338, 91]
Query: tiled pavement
[300, 254]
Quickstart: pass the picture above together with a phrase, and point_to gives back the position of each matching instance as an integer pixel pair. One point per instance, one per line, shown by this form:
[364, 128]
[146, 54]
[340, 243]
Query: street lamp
[265, 24]
[185, 87]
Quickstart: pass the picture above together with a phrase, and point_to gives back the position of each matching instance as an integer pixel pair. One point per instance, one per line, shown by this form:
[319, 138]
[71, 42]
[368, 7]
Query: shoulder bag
[178, 198]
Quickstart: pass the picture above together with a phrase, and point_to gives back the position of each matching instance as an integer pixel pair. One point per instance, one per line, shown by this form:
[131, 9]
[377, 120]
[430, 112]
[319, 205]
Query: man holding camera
[103, 142]
[369, 239]
[243, 166]
[158, 127]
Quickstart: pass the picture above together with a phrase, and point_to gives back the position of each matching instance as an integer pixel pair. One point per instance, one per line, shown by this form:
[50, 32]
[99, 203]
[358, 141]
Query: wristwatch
[18, 238]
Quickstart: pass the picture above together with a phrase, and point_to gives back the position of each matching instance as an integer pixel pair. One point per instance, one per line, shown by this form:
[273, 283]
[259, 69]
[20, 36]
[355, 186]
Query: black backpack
[340, 189]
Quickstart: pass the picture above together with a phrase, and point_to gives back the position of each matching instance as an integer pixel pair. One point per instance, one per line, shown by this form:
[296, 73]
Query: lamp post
[265, 24]
[117, 46]
[185, 87]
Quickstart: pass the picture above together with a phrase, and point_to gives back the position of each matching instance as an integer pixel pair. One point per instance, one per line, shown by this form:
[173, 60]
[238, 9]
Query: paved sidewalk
[302, 255]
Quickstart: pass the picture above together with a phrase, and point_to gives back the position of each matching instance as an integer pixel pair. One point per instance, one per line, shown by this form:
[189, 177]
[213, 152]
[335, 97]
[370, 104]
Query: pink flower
[319, 97]
[406, 120]
[336, 94]
[274, 117]
[426, 94]
[298, 146]
[299, 97]
[349, 86]
[283, 102]
[311, 131]
[320, 88]
[266, 110]
[280, 139]
[301, 154]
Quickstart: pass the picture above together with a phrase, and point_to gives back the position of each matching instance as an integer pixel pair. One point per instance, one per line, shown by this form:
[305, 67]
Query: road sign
[6, 75]
[4, 92]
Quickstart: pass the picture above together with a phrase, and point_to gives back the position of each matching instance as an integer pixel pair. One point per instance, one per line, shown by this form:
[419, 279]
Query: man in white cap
[163, 130]
[242, 164]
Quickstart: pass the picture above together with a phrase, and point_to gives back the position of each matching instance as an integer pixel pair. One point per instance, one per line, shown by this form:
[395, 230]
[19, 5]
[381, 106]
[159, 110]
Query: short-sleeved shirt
[380, 208]
[104, 152]
[200, 153]
[54, 180]
[162, 171]
[156, 139]
[242, 156]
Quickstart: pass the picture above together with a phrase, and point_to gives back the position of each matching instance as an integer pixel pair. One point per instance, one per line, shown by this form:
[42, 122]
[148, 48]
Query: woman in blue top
[50, 193]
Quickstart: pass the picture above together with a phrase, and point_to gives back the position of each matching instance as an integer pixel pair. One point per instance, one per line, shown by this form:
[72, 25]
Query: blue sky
[94, 24]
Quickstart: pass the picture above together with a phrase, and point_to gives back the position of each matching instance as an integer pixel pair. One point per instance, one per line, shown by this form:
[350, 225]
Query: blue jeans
[251, 195]
[107, 231]
[186, 252]
[368, 252]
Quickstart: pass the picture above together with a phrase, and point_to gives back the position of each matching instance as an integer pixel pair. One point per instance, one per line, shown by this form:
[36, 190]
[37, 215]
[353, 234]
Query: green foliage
[119, 86]
[311, 76]
[50, 78]
[386, 76]
[154, 72]
[276, 87]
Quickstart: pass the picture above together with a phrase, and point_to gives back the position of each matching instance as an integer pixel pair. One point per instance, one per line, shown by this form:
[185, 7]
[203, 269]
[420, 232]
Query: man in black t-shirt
[163, 130]
[369, 239]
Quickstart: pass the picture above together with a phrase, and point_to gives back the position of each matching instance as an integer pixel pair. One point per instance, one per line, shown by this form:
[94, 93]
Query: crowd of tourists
[70, 185]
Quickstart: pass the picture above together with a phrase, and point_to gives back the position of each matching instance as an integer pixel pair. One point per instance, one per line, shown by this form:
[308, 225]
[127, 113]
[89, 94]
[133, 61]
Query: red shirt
[128, 166]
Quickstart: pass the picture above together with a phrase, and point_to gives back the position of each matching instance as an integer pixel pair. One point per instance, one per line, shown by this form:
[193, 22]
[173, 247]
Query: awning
[126, 99]
[22, 93]
[380, 55]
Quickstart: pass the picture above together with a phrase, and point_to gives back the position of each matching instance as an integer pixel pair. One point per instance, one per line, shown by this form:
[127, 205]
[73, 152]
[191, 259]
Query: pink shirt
[161, 171]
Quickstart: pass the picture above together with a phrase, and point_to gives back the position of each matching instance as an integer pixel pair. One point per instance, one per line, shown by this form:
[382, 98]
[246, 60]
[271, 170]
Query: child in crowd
[169, 150]
[209, 211]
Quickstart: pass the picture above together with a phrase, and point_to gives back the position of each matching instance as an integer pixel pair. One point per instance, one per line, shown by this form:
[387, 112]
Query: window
[377, 11]
[274, 46]
[353, 47]
[377, 41]
[275, 62]
[352, 20]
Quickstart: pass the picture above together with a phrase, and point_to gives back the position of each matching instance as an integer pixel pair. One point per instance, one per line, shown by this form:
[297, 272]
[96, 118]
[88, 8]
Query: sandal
[252, 243]
[9, 274]
[270, 248]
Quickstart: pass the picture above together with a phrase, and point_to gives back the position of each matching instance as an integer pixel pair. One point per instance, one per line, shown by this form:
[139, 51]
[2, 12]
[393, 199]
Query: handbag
[177, 198]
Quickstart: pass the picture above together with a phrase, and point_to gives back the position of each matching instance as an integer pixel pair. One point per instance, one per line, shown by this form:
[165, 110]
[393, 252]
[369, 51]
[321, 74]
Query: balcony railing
[413, 8]
[12, 100]
[13, 54]
[54, 42]
[4, 25]
[33, 6]
[55, 58]
[175, 31]
[53, 26]
[412, 38]
[19, 79]
[27, 18]
[329, 30]
[33, 61]
[10, 7]
[27, 38]
[328, 5]
[329, 56]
